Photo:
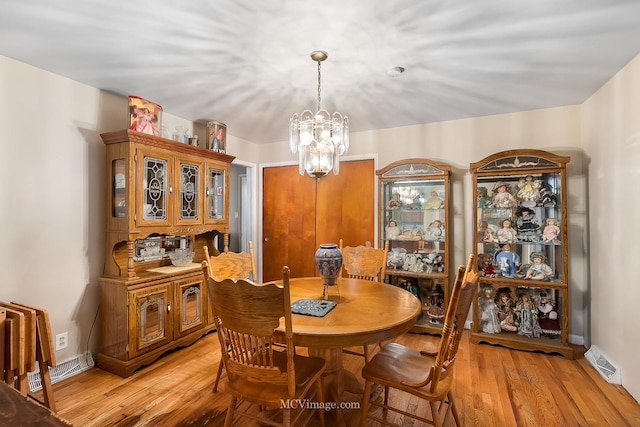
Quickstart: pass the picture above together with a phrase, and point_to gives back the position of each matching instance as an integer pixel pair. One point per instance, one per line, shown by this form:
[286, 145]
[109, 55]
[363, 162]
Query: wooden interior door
[300, 213]
[288, 217]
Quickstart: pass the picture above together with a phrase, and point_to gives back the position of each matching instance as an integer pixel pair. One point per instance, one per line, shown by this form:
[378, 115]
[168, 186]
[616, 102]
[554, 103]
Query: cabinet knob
[168, 307]
[170, 189]
[266, 239]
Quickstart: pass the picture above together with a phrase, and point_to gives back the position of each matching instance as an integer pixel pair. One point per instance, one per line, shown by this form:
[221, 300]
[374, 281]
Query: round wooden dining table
[366, 313]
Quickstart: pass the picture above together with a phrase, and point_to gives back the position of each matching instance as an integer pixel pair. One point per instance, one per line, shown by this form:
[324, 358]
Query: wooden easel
[27, 340]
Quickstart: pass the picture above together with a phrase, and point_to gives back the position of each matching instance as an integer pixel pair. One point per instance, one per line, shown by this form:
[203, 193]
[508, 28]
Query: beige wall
[51, 164]
[611, 136]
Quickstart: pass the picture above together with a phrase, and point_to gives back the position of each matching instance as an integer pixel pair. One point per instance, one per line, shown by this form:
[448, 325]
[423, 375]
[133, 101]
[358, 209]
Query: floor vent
[62, 371]
[608, 370]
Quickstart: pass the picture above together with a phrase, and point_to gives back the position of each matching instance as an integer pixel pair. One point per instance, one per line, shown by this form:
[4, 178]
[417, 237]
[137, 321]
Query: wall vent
[604, 365]
[62, 371]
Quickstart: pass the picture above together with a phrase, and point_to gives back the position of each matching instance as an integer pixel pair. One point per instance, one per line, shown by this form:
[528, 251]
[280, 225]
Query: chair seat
[307, 370]
[385, 370]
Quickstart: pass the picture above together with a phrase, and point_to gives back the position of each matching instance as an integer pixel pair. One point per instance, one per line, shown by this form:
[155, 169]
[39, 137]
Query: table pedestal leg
[336, 380]
[333, 380]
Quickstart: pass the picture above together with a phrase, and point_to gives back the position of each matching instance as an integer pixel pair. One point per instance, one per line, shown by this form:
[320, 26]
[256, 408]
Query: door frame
[249, 211]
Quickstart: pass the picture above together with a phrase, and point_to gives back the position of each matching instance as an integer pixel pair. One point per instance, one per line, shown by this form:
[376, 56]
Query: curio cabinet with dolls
[520, 238]
[413, 216]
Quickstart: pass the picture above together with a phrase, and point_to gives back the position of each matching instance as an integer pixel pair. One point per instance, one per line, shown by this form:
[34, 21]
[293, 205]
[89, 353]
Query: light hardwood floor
[494, 386]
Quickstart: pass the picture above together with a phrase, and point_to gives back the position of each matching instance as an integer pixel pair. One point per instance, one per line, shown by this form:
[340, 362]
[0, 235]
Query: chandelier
[319, 139]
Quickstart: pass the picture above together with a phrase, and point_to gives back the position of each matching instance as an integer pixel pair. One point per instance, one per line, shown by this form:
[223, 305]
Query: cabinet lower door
[190, 306]
[150, 315]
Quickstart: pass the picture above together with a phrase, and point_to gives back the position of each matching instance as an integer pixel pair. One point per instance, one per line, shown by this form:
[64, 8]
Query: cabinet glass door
[216, 187]
[189, 305]
[150, 312]
[413, 222]
[154, 206]
[119, 186]
[519, 219]
[189, 197]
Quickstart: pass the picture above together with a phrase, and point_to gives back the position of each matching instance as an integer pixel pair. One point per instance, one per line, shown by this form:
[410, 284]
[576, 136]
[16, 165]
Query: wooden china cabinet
[414, 216]
[160, 195]
[520, 238]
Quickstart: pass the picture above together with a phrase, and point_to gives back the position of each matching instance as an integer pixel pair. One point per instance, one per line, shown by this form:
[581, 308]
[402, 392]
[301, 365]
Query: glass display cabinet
[413, 217]
[520, 238]
[161, 196]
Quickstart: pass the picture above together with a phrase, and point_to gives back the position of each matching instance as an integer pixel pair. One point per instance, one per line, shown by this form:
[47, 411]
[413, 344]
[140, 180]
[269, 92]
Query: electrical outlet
[62, 341]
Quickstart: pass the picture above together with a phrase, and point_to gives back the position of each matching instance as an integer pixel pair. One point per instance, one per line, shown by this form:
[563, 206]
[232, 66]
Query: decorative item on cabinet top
[216, 136]
[144, 116]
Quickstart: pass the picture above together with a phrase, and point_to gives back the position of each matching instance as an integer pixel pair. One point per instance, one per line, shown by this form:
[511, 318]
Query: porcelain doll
[435, 231]
[547, 198]
[395, 201]
[482, 228]
[551, 231]
[507, 261]
[485, 266]
[490, 234]
[528, 191]
[502, 198]
[436, 305]
[527, 226]
[506, 233]
[392, 230]
[416, 202]
[527, 317]
[506, 311]
[483, 200]
[538, 270]
[434, 202]
[548, 315]
[489, 320]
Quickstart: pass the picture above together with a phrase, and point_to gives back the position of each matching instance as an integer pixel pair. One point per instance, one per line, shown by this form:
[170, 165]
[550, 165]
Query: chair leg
[286, 417]
[366, 354]
[454, 411]
[436, 413]
[218, 375]
[230, 410]
[364, 411]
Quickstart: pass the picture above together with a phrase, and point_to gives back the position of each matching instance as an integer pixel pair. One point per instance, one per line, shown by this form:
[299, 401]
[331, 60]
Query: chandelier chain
[319, 85]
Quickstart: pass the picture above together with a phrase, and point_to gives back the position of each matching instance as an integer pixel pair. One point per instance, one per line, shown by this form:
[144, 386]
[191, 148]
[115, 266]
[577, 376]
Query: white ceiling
[246, 63]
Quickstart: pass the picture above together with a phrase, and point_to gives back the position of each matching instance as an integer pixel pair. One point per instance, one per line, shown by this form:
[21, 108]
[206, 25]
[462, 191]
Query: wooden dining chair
[233, 265]
[247, 315]
[364, 261]
[367, 263]
[426, 374]
[230, 265]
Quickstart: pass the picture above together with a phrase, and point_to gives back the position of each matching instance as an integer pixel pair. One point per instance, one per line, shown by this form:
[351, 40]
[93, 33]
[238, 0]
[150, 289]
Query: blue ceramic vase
[328, 262]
